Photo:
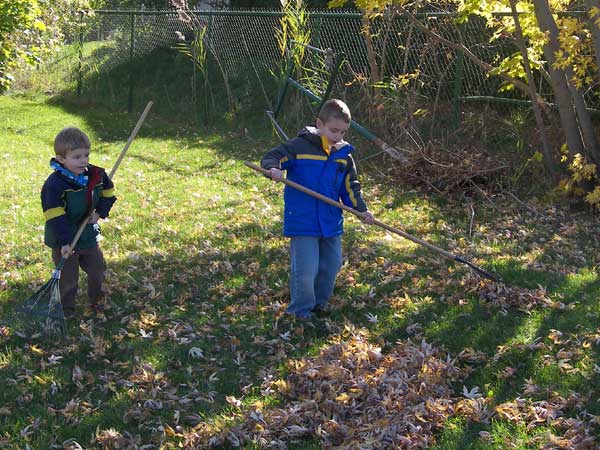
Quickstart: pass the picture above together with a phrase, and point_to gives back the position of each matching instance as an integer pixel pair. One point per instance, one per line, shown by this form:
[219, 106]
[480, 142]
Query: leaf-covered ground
[195, 350]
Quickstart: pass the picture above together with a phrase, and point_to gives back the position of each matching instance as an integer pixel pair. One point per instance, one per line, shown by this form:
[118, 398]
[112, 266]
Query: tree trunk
[549, 159]
[585, 120]
[562, 95]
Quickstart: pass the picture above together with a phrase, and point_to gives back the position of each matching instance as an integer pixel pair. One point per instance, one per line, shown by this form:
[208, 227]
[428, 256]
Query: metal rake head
[42, 312]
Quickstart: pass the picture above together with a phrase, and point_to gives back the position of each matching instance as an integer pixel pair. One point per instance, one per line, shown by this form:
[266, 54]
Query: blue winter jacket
[333, 174]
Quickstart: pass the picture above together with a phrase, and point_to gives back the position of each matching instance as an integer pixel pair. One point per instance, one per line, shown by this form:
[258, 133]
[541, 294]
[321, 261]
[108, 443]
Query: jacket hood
[311, 134]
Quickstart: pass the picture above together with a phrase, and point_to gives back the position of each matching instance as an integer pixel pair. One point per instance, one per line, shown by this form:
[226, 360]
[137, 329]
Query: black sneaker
[321, 312]
[95, 310]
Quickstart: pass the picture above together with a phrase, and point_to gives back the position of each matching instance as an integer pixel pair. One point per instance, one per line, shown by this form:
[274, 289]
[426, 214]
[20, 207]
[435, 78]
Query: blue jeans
[314, 264]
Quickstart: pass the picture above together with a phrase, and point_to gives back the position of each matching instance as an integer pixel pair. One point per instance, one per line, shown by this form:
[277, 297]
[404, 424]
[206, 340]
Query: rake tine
[484, 273]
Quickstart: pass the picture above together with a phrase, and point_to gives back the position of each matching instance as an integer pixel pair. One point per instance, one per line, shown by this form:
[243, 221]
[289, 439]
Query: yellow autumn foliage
[582, 170]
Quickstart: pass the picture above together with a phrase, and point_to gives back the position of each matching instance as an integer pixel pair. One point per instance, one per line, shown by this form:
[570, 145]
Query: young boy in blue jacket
[319, 159]
[73, 190]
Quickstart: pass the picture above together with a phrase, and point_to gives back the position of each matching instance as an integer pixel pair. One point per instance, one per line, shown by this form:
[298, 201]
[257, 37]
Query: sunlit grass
[196, 259]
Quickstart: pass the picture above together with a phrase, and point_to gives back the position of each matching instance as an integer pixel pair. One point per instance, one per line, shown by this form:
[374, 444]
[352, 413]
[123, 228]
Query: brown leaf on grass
[112, 439]
[77, 376]
[473, 356]
[233, 401]
[4, 332]
[557, 337]
[508, 372]
[98, 347]
[136, 414]
[476, 410]
[529, 387]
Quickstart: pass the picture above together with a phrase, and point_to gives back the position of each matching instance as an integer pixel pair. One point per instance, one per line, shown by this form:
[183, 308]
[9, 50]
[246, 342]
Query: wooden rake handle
[389, 228]
[114, 169]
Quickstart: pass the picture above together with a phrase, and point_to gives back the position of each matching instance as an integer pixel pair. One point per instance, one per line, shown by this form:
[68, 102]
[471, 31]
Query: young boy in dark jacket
[319, 159]
[70, 193]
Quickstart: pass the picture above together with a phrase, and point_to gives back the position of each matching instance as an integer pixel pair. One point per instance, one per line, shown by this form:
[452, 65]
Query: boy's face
[75, 160]
[334, 129]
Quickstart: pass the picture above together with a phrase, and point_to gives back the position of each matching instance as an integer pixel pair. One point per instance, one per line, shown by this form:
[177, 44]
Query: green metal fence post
[316, 38]
[80, 57]
[458, 79]
[339, 60]
[207, 87]
[315, 98]
[131, 51]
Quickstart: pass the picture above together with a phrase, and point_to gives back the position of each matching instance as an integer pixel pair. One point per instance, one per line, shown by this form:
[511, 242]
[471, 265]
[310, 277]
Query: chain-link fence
[121, 52]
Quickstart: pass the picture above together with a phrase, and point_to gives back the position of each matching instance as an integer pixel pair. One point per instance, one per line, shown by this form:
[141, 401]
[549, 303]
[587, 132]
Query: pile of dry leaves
[504, 296]
[353, 396]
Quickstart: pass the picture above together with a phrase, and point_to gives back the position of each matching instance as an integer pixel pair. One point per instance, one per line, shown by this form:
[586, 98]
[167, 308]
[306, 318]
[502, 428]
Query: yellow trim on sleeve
[350, 192]
[343, 161]
[315, 157]
[108, 192]
[51, 213]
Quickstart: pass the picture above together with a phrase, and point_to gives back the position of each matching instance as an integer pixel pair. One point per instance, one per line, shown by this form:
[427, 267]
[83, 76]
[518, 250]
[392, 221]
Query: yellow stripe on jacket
[51, 213]
[350, 192]
[108, 192]
[315, 157]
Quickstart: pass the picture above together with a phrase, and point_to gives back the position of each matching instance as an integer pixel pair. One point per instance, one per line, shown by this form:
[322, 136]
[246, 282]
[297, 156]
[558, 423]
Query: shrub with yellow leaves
[582, 171]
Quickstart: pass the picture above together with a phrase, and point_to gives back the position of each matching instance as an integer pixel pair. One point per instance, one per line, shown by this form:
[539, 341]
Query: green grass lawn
[198, 276]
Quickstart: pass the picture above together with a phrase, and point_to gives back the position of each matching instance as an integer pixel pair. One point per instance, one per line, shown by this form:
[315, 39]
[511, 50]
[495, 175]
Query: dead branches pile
[443, 167]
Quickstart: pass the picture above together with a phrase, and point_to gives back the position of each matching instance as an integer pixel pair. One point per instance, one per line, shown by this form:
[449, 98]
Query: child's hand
[65, 251]
[275, 174]
[367, 218]
[94, 218]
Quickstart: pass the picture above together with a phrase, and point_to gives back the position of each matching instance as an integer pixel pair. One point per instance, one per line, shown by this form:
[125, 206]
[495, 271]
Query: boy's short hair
[335, 109]
[70, 138]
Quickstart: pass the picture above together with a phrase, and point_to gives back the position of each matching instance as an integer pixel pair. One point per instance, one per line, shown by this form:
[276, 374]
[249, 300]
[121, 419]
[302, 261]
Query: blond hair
[70, 138]
[335, 109]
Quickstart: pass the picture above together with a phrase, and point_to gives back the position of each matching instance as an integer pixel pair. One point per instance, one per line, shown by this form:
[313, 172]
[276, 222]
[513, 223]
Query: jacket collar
[311, 134]
[81, 180]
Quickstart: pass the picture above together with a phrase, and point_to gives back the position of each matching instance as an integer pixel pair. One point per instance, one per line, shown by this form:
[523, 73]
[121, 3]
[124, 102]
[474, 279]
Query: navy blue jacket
[66, 203]
[333, 174]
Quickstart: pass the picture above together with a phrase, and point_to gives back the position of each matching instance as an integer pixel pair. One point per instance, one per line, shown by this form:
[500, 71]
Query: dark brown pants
[91, 260]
